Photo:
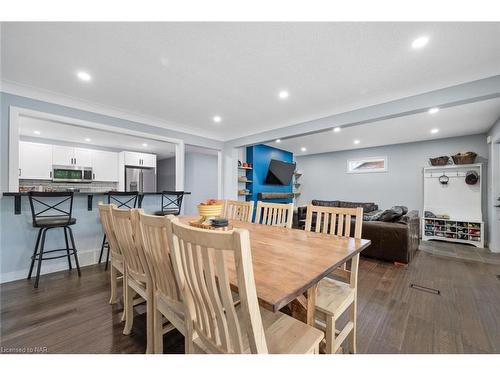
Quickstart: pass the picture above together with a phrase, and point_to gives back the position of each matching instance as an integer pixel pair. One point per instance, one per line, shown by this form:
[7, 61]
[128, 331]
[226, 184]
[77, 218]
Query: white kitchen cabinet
[139, 159]
[83, 157]
[35, 161]
[105, 166]
[63, 155]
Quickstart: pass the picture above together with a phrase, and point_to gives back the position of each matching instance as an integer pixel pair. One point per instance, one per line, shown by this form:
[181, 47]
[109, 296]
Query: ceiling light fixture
[434, 131]
[144, 145]
[336, 130]
[433, 110]
[357, 141]
[420, 42]
[217, 119]
[303, 149]
[278, 140]
[283, 94]
[87, 139]
[84, 76]
[37, 132]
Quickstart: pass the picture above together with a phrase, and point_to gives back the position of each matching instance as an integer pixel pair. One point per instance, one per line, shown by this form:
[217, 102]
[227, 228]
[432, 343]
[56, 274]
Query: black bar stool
[51, 210]
[171, 203]
[122, 199]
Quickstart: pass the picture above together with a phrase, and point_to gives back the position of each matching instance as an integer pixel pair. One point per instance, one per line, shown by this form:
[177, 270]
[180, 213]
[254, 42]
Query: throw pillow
[372, 216]
[393, 213]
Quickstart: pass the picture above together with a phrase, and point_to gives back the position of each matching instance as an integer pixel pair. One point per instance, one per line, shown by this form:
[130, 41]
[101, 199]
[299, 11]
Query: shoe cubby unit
[471, 232]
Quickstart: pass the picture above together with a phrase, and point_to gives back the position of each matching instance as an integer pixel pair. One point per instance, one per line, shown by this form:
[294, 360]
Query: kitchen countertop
[90, 195]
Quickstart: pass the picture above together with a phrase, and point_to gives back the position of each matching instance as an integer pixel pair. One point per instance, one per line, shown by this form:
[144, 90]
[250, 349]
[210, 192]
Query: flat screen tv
[280, 172]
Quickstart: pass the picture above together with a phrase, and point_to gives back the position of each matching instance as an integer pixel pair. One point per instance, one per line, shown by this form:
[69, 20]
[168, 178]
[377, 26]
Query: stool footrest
[71, 252]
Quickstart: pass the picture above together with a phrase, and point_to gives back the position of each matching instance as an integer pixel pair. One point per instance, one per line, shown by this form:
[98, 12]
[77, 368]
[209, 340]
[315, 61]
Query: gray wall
[200, 180]
[324, 175]
[165, 171]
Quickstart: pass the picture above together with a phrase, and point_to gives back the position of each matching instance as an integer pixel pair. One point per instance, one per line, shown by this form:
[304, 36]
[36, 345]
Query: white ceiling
[185, 73]
[474, 118]
[69, 133]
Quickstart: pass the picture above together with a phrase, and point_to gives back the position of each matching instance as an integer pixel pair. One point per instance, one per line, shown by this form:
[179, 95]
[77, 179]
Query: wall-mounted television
[280, 172]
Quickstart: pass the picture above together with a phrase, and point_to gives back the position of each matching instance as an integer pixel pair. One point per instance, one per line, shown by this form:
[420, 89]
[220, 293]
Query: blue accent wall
[260, 156]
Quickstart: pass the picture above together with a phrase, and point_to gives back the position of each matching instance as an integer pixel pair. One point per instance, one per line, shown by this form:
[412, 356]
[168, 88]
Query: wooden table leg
[303, 308]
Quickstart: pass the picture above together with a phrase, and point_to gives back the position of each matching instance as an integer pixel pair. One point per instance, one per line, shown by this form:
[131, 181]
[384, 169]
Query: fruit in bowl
[211, 208]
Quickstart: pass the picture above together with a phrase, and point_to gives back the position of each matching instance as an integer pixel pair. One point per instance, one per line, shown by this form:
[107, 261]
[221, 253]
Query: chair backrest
[46, 205]
[238, 210]
[201, 258]
[107, 226]
[123, 199]
[158, 256]
[337, 221]
[171, 201]
[276, 214]
[126, 227]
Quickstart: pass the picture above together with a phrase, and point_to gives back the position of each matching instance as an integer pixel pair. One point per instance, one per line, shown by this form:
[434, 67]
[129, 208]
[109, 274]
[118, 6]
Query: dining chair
[137, 275]
[167, 297]
[117, 270]
[203, 261]
[238, 210]
[276, 214]
[334, 297]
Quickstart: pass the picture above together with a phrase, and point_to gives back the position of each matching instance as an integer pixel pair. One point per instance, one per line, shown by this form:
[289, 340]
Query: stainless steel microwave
[66, 173]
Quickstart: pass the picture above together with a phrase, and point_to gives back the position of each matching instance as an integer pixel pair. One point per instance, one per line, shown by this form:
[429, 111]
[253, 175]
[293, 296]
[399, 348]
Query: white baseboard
[85, 258]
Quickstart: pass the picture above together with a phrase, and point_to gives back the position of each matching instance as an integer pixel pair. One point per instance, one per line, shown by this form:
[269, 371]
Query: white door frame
[16, 112]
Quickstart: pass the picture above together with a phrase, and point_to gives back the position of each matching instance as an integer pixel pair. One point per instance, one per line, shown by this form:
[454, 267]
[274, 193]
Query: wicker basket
[439, 161]
[465, 158]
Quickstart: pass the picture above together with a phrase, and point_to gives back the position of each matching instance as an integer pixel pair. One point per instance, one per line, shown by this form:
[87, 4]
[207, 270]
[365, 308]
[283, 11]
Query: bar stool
[122, 199]
[53, 212]
[171, 203]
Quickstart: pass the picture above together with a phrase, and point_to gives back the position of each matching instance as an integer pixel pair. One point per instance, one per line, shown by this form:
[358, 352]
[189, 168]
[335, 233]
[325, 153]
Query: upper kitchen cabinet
[105, 166]
[64, 155]
[35, 161]
[139, 159]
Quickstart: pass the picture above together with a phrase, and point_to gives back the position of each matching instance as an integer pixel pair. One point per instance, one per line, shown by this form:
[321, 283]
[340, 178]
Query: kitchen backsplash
[47, 185]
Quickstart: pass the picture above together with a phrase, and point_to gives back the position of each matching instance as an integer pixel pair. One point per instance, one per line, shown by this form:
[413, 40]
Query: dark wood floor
[71, 315]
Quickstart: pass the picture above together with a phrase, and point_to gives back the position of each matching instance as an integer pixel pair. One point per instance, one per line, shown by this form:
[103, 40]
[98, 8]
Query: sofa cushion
[393, 213]
[367, 207]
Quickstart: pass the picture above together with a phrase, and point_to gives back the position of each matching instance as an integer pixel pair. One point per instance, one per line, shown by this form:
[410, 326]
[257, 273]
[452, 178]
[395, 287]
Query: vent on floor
[425, 289]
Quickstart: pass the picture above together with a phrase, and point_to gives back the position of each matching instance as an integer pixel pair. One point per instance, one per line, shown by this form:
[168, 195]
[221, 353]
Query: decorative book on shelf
[447, 193]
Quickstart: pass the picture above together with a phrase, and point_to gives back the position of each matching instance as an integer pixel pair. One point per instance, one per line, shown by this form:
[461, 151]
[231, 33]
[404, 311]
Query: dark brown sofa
[390, 241]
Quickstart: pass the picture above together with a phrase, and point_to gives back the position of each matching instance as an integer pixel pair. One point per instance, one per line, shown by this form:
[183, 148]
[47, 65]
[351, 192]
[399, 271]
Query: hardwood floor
[68, 314]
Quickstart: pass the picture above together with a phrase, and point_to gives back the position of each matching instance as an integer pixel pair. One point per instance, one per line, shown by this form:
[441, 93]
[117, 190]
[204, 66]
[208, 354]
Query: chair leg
[124, 288]
[352, 334]
[150, 332]
[107, 257]
[113, 276]
[158, 331]
[330, 334]
[188, 339]
[34, 252]
[67, 247]
[102, 248]
[74, 250]
[40, 256]
[129, 310]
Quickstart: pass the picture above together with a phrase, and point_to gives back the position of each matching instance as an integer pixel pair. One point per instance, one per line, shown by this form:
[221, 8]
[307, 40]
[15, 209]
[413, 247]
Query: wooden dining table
[288, 264]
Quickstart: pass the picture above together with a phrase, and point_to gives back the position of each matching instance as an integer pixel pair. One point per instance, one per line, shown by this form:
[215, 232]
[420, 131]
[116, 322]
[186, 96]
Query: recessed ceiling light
[433, 110]
[283, 94]
[84, 76]
[357, 141]
[87, 139]
[420, 42]
[303, 149]
[217, 119]
[278, 140]
[37, 132]
[336, 130]
[434, 131]
[144, 145]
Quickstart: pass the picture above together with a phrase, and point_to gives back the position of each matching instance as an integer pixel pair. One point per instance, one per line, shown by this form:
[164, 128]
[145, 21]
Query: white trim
[374, 158]
[15, 88]
[16, 112]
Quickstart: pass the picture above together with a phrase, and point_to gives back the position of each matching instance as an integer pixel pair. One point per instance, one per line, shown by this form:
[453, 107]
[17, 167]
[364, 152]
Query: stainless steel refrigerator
[140, 179]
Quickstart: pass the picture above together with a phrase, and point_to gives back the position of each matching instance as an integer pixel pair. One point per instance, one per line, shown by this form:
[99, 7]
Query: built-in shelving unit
[456, 230]
[296, 184]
